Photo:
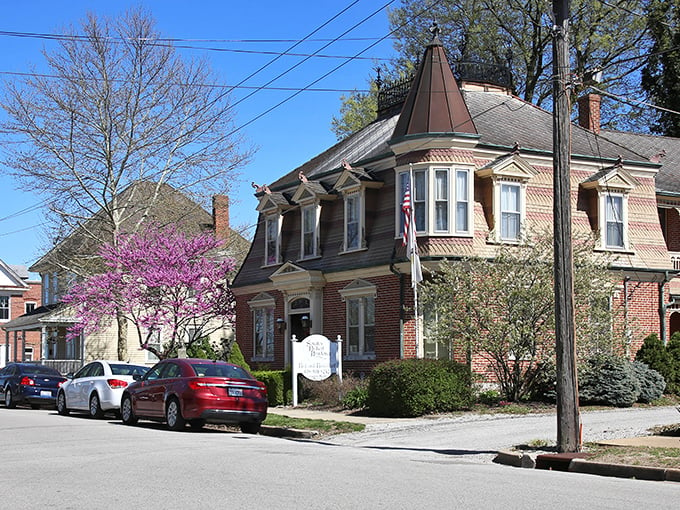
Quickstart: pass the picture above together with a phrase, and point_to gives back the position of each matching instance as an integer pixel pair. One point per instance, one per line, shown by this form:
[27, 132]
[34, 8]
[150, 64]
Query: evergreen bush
[655, 355]
[236, 357]
[673, 352]
[651, 382]
[414, 387]
[608, 380]
[278, 384]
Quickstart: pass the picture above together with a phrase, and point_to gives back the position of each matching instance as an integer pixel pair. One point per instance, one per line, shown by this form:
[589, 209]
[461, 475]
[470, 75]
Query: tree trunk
[122, 337]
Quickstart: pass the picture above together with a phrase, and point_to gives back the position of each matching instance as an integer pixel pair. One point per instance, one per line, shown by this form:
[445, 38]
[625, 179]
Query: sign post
[317, 358]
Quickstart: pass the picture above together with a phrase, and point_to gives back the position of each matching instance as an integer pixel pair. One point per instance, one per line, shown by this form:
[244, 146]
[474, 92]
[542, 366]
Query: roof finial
[434, 29]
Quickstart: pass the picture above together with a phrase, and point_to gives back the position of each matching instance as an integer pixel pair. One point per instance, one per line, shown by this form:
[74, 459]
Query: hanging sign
[317, 358]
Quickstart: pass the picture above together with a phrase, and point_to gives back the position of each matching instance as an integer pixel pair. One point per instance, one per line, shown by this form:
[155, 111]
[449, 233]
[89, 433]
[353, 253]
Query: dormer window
[310, 231]
[353, 221]
[612, 185]
[272, 254]
[509, 176]
[272, 205]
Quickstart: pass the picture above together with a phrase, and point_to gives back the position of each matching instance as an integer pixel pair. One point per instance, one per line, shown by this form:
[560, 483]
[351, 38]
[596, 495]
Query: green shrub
[673, 351]
[414, 387]
[489, 397]
[608, 380]
[278, 384]
[236, 357]
[356, 398]
[651, 382]
[655, 355]
[545, 384]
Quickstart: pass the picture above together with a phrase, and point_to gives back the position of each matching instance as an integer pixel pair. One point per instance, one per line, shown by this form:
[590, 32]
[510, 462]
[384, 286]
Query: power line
[207, 85]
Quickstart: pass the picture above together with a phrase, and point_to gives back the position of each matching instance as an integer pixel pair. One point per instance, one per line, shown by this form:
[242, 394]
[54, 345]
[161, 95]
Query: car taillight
[116, 383]
[27, 381]
[59, 384]
[195, 385]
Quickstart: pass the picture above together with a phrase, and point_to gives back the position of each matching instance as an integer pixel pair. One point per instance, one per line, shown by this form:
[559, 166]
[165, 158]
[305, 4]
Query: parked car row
[175, 391]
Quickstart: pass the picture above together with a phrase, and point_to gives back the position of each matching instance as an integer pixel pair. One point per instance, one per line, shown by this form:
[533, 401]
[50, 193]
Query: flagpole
[412, 256]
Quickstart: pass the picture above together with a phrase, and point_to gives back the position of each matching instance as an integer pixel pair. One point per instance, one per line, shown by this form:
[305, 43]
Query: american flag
[409, 239]
[406, 209]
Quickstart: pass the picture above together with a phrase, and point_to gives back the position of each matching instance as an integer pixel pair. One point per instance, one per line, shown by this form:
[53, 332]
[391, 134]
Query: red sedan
[196, 391]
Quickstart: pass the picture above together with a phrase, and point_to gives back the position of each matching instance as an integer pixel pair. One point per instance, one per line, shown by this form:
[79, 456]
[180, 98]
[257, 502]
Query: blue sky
[285, 138]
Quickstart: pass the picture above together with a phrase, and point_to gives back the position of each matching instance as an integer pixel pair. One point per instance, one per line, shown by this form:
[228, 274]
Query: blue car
[29, 383]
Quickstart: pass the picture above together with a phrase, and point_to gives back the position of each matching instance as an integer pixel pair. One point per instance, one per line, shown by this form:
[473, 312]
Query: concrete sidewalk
[314, 414]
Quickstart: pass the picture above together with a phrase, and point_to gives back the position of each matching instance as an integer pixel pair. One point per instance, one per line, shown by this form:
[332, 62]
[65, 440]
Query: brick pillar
[589, 112]
[220, 211]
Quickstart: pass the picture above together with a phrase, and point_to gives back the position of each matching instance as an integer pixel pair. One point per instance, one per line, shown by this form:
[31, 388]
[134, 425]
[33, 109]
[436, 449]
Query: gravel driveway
[477, 437]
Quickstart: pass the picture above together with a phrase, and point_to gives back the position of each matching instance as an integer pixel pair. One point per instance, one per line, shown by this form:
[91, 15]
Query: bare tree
[118, 107]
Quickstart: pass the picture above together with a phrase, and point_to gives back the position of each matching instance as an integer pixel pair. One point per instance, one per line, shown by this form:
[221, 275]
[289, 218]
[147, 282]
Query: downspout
[395, 271]
[663, 306]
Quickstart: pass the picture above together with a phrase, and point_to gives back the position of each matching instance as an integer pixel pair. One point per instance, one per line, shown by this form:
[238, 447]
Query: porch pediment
[291, 277]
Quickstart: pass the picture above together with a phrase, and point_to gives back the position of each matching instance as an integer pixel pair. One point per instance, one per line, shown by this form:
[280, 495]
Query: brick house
[50, 321]
[327, 256]
[19, 295]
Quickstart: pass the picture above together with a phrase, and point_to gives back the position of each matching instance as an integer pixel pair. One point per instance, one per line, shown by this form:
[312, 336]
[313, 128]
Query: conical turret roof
[434, 103]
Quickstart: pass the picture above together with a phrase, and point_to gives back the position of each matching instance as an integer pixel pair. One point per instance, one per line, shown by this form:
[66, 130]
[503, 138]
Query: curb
[268, 430]
[583, 466]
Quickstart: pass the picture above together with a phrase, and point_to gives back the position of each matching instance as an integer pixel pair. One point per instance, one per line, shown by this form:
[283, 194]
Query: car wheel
[173, 415]
[127, 414]
[196, 424]
[95, 407]
[250, 427]
[61, 404]
[10, 403]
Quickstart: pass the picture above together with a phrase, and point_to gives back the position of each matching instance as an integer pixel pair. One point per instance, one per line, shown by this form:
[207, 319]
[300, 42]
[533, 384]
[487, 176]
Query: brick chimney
[589, 112]
[220, 212]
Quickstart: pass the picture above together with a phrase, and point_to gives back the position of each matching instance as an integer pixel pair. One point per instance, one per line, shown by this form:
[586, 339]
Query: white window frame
[7, 307]
[156, 341]
[429, 320]
[604, 198]
[313, 210]
[263, 315]
[275, 243]
[458, 203]
[357, 198]
[359, 293]
[499, 211]
[28, 353]
[505, 213]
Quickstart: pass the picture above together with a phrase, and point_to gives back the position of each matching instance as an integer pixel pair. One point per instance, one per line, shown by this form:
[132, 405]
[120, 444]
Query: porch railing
[64, 366]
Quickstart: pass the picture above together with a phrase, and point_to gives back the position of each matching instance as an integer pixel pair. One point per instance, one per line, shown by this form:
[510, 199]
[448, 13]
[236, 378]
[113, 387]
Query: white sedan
[97, 387]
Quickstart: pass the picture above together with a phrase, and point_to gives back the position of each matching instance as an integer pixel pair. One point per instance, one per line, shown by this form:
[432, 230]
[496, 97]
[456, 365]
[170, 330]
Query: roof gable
[510, 166]
[9, 279]
[612, 178]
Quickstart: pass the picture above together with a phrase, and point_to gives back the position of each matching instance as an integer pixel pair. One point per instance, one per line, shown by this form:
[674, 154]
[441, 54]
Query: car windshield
[123, 369]
[39, 370]
[219, 370]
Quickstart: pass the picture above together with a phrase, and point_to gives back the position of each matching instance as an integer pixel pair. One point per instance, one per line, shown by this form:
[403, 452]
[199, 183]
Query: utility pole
[568, 423]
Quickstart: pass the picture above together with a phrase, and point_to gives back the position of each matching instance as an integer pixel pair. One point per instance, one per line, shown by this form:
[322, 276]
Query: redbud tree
[164, 282]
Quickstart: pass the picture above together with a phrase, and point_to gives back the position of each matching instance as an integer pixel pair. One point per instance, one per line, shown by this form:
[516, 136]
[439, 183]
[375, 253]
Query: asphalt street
[73, 462]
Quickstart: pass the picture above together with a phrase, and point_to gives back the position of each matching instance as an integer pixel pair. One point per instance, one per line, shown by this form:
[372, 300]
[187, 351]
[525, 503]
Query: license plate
[235, 392]
[45, 393]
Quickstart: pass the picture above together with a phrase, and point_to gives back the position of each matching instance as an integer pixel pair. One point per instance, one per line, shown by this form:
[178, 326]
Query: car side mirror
[137, 377]
[69, 375]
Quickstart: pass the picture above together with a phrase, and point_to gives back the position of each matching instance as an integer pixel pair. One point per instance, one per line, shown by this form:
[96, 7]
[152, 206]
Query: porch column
[16, 346]
[44, 349]
[23, 346]
[6, 347]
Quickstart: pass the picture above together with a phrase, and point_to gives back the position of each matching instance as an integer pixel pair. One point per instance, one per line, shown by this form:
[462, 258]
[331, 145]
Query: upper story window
[614, 221]
[509, 175]
[510, 211]
[613, 186]
[310, 231]
[441, 199]
[29, 307]
[4, 308]
[353, 221]
[272, 243]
